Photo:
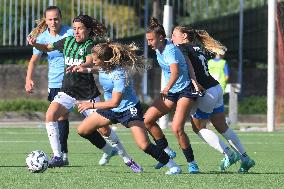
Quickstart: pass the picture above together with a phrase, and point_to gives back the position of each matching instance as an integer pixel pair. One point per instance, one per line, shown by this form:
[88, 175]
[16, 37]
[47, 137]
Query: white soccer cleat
[106, 157]
[174, 171]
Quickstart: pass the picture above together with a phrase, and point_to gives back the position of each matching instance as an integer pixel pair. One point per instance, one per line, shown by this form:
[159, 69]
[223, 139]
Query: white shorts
[69, 102]
[211, 102]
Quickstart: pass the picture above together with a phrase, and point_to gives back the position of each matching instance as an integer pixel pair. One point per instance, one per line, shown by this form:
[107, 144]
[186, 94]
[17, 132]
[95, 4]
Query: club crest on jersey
[81, 52]
[73, 61]
[133, 111]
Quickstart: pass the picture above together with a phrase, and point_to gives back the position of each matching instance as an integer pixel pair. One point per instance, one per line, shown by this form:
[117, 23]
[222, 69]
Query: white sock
[168, 150]
[171, 164]
[64, 156]
[214, 141]
[107, 148]
[234, 141]
[115, 142]
[53, 136]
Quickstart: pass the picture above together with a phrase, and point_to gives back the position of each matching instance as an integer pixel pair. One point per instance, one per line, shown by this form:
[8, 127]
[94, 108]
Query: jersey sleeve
[70, 32]
[226, 69]
[119, 81]
[59, 45]
[40, 40]
[89, 48]
[172, 56]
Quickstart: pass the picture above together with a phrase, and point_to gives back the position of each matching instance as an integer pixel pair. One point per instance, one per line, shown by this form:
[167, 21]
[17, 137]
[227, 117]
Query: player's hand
[164, 93]
[199, 87]
[74, 69]
[31, 40]
[84, 106]
[29, 86]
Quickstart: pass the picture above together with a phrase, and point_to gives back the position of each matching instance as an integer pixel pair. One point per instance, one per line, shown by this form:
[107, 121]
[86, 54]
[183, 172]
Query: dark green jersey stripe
[67, 42]
[69, 46]
[72, 48]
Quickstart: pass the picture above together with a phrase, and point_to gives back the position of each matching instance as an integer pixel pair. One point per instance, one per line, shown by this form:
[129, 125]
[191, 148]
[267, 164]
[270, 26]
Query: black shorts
[52, 93]
[132, 114]
[187, 92]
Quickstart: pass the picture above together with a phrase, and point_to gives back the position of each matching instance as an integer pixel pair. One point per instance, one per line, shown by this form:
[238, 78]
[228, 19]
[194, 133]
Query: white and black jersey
[199, 63]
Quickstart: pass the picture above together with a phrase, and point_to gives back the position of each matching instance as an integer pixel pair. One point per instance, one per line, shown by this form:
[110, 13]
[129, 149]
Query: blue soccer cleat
[55, 162]
[193, 168]
[246, 165]
[228, 161]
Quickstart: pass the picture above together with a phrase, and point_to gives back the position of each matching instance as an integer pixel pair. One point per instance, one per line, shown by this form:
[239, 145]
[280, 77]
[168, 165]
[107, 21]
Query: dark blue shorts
[132, 114]
[187, 92]
[52, 93]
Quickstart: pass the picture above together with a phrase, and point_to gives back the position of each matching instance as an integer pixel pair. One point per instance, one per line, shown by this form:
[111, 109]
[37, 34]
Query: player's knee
[143, 146]
[178, 132]
[82, 132]
[50, 116]
[149, 122]
[105, 131]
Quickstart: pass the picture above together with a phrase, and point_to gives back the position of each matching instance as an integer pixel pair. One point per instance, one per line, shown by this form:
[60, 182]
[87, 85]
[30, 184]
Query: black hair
[97, 28]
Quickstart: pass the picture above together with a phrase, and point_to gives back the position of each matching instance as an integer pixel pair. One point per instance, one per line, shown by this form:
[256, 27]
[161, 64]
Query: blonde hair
[41, 27]
[119, 55]
[202, 37]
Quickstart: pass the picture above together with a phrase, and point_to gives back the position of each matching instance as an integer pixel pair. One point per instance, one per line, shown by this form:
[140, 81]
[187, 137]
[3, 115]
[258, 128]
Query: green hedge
[253, 105]
[247, 105]
[24, 105]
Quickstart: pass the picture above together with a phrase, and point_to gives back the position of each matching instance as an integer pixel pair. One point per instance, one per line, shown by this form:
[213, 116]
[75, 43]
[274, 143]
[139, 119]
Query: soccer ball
[37, 161]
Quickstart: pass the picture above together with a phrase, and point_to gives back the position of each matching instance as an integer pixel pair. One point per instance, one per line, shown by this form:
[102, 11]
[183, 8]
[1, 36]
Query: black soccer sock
[96, 139]
[188, 153]
[157, 153]
[63, 127]
[162, 143]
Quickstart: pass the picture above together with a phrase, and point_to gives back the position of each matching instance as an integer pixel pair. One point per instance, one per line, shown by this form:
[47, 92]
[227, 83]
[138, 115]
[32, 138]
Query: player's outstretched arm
[29, 86]
[41, 47]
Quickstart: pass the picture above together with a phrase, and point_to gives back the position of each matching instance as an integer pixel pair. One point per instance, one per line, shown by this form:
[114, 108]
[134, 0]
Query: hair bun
[154, 22]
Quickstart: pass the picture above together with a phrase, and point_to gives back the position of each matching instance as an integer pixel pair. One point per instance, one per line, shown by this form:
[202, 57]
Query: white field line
[131, 142]
[126, 132]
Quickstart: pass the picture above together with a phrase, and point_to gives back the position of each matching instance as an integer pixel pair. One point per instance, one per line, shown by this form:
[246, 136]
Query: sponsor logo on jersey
[73, 61]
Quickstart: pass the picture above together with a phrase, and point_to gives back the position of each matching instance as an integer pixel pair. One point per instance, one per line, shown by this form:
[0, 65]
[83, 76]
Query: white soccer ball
[37, 161]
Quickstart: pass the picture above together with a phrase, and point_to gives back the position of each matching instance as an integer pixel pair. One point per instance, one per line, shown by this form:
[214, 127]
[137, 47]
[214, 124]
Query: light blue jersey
[55, 58]
[115, 81]
[172, 55]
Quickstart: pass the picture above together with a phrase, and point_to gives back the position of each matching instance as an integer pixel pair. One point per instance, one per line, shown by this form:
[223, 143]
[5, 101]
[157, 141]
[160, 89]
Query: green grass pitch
[267, 149]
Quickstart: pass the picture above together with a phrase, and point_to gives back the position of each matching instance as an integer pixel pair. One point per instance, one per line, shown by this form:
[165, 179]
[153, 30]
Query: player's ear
[161, 38]
[184, 36]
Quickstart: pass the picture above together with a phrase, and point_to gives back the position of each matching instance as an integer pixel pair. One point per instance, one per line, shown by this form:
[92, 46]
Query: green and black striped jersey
[78, 85]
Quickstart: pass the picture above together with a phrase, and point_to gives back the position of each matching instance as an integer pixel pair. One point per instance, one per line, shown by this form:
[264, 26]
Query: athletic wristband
[89, 70]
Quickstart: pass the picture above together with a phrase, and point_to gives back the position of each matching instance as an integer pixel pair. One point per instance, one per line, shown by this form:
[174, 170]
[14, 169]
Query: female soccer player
[78, 87]
[178, 93]
[121, 104]
[211, 106]
[53, 30]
